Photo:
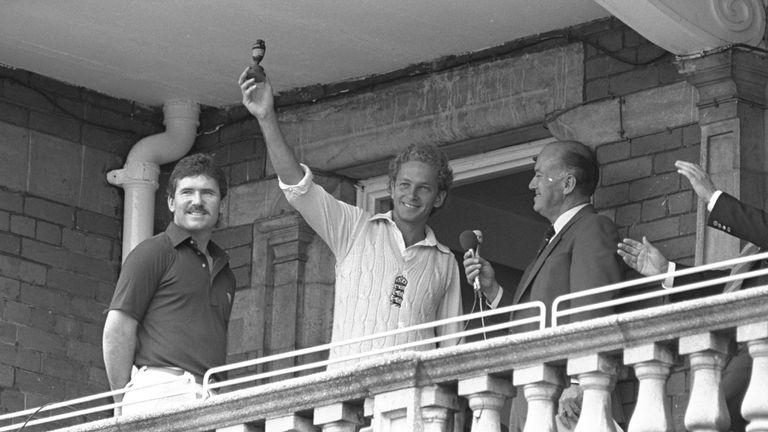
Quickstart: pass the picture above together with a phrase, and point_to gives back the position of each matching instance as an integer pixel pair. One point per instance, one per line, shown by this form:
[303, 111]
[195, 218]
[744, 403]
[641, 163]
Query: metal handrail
[540, 319]
[68, 403]
[557, 312]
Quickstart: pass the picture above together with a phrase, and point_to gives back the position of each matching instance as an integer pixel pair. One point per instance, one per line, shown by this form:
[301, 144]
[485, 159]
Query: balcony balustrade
[406, 389]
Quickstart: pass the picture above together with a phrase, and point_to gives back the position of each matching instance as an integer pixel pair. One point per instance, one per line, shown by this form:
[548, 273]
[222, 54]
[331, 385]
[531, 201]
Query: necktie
[547, 237]
[749, 249]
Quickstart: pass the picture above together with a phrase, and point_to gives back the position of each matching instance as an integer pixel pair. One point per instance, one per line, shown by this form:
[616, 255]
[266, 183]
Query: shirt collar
[179, 236]
[567, 215]
[430, 240]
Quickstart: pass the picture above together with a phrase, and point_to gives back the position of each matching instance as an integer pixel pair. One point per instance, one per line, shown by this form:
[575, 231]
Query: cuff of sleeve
[711, 203]
[669, 282]
[493, 304]
[301, 187]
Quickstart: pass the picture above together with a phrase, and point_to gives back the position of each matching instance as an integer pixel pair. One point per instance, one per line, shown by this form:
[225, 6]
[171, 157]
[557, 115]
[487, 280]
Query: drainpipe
[139, 177]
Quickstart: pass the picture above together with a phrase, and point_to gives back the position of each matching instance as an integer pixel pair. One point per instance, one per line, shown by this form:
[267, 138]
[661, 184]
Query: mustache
[197, 208]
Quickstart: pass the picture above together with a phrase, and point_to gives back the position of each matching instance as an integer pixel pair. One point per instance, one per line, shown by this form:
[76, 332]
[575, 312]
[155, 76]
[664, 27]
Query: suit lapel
[533, 269]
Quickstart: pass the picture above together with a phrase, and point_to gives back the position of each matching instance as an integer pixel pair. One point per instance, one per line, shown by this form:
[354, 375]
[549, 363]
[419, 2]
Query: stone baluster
[438, 406]
[486, 395]
[706, 409]
[652, 364]
[240, 428]
[542, 386]
[597, 376]
[289, 423]
[755, 405]
[338, 417]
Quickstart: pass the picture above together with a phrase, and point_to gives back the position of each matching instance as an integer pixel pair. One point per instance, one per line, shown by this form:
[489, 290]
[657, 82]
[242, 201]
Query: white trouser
[159, 388]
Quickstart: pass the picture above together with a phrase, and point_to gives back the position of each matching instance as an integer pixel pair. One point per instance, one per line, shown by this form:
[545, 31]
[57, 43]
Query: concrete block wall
[60, 229]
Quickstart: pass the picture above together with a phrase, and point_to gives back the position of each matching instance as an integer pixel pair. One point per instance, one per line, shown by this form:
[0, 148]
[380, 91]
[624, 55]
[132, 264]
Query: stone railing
[443, 389]
[423, 391]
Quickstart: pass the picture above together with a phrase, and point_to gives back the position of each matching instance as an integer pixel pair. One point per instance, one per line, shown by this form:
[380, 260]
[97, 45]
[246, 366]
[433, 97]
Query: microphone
[471, 240]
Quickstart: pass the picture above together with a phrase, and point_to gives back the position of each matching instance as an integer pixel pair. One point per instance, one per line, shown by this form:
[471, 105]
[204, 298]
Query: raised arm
[700, 179]
[258, 99]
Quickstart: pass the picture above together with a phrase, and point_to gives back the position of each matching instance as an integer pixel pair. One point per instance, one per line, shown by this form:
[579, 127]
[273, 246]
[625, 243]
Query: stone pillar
[542, 386]
[706, 410]
[732, 100]
[755, 405]
[438, 406]
[286, 238]
[652, 364]
[597, 376]
[338, 417]
[241, 428]
[486, 395]
[428, 408]
[289, 423]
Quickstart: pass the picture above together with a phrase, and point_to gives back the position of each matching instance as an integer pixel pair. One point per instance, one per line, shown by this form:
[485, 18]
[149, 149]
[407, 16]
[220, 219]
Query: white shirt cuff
[496, 300]
[711, 203]
[669, 282]
[299, 188]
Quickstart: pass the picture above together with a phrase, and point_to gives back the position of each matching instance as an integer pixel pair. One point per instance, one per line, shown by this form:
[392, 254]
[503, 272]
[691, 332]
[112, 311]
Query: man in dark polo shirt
[167, 321]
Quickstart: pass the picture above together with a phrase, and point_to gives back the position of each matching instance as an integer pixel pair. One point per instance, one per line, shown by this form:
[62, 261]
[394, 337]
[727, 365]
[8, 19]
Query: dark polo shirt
[182, 307]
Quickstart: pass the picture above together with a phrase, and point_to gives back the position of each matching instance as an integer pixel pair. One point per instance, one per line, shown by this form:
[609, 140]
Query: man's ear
[439, 199]
[170, 203]
[569, 184]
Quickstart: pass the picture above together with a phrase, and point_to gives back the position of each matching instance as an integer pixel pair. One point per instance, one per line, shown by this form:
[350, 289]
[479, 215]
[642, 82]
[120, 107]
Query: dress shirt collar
[567, 215]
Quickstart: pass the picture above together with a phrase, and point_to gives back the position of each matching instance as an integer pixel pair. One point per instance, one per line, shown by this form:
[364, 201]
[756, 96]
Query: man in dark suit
[578, 255]
[727, 214]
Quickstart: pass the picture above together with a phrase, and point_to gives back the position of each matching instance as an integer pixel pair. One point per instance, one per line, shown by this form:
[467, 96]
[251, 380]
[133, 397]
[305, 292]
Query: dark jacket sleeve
[740, 220]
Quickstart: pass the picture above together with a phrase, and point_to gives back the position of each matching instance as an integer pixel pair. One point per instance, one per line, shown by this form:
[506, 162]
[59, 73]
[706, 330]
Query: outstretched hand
[700, 179]
[257, 97]
[643, 257]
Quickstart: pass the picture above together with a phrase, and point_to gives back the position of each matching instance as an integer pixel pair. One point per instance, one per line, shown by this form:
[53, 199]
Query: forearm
[119, 344]
[280, 154]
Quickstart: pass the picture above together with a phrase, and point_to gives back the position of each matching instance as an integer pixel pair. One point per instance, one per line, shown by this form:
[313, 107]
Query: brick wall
[59, 220]
[60, 229]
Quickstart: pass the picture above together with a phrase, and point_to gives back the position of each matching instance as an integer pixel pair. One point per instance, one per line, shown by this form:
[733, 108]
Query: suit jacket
[740, 220]
[581, 256]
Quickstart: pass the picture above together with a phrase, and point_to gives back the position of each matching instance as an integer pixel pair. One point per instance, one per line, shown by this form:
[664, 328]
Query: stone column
[732, 99]
[755, 405]
[652, 364]
[486, 395]
[706, 410]
[438, 406]
[289, 423]
[338, 417]
[417, 408]
[241, 428]
[597, 376]
[542, 386]
[286, 239]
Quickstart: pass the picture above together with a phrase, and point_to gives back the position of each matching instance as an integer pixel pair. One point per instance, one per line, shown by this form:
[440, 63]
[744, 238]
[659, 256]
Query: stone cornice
[692, 26]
